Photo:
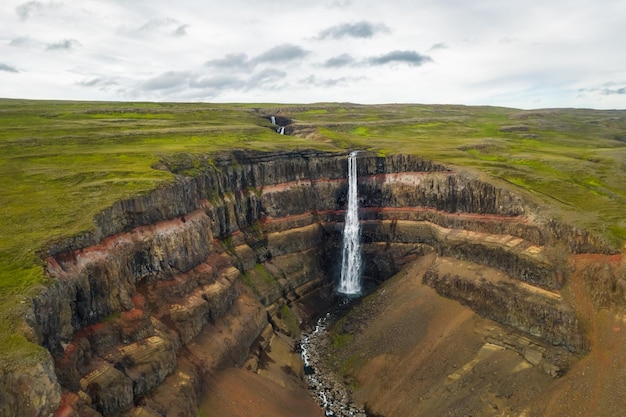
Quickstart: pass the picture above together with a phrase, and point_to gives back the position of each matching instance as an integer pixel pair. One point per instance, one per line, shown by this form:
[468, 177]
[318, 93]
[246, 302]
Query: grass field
[63, 162]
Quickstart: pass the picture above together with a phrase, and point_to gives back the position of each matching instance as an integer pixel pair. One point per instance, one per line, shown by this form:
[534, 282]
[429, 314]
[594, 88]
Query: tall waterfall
[351, 262]
[273, 120]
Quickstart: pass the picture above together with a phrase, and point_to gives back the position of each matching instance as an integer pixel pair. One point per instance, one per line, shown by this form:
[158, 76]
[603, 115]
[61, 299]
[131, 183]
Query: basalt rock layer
[194, 276]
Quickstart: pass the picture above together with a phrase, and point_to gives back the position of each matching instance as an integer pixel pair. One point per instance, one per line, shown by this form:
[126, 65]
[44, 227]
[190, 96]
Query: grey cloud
[23, 42]
[7, 68]
[181, 30]
[281, 53]
[328, 82]
[607, 89]
[168, 80]
[613, 91]
[221, 82]
[266, 76]
[339, 4]
[98, 82]
[156, 24]
[438, 46]
[408, 57]
[339, 61]
[229, 82]
[187, 80]
[240, 61]
[29, 9]
[361, 29]
[164, 26]
[63, 45]
[231, 62]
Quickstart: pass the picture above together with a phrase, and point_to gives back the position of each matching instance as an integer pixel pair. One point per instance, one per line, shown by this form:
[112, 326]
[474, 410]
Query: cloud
[157, 24]
[281, 53]
[220, 82]
[339, 4]
[29, 9]
[240, 62]
[231, 62]
[339, 61]
[63, 45]
[438, 46]
[24, 42]
[168, 80]
[211, 85]
[327, 82]
[411, 58]
[614, 91]
[163, 26]
[264, 77]
[181, 30]
[361, 29]
[7, 68]
[99, 82]
[230, 82]
[607, 89]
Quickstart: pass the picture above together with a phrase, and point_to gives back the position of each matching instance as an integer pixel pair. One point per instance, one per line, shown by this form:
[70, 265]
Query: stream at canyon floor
[330, 393]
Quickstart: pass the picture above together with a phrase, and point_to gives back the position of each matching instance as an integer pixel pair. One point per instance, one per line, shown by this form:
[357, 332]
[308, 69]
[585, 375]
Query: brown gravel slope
[415, 353]
[238, 392]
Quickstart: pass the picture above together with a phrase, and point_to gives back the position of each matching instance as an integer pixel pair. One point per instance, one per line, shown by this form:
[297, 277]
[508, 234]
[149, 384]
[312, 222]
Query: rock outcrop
[177, 283]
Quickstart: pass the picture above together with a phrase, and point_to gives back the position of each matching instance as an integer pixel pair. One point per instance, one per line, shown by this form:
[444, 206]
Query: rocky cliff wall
[176, 283]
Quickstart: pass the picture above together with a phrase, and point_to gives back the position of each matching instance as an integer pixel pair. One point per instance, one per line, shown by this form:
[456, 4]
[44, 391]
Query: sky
[523, 54]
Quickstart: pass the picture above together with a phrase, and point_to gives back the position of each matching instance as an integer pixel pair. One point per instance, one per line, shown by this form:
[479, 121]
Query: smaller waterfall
[281, 130]
[350, 282]
[273, 119]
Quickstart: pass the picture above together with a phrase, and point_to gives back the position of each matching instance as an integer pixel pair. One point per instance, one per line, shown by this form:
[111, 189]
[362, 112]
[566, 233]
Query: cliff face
[188, 279]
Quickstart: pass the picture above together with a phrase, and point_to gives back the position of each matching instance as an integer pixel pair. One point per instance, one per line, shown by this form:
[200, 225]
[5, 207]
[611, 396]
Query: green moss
[617, 231]
[248, 279]
[260, 280]
[15, 350]
[361, 131]
[348, 367]
[264, 274]
[341, 340]
[290, 320]
[315, 112]
[112, 317]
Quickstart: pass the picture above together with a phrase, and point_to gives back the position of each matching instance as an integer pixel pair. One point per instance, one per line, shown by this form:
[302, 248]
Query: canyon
[204, 284]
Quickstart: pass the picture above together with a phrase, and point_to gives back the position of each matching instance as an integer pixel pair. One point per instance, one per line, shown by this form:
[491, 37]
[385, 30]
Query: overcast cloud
[361, 29]
[525, 54]
[7, 68]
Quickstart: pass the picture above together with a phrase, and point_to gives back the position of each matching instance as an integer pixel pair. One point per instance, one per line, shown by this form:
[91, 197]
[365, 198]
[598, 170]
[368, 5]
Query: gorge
[220, 269]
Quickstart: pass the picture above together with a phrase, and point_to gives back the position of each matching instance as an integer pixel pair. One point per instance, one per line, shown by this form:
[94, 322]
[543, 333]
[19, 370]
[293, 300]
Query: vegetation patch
[290, 320]
[341, 340]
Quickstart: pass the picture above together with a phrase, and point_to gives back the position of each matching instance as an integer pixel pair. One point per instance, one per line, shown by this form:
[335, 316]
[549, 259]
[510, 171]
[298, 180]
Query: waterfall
[281, 130]
[273, 119]
[350, 282]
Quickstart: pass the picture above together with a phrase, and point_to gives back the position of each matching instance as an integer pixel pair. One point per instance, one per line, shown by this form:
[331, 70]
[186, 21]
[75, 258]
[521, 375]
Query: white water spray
[281, 130]
[350, 282]
[273, 119]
